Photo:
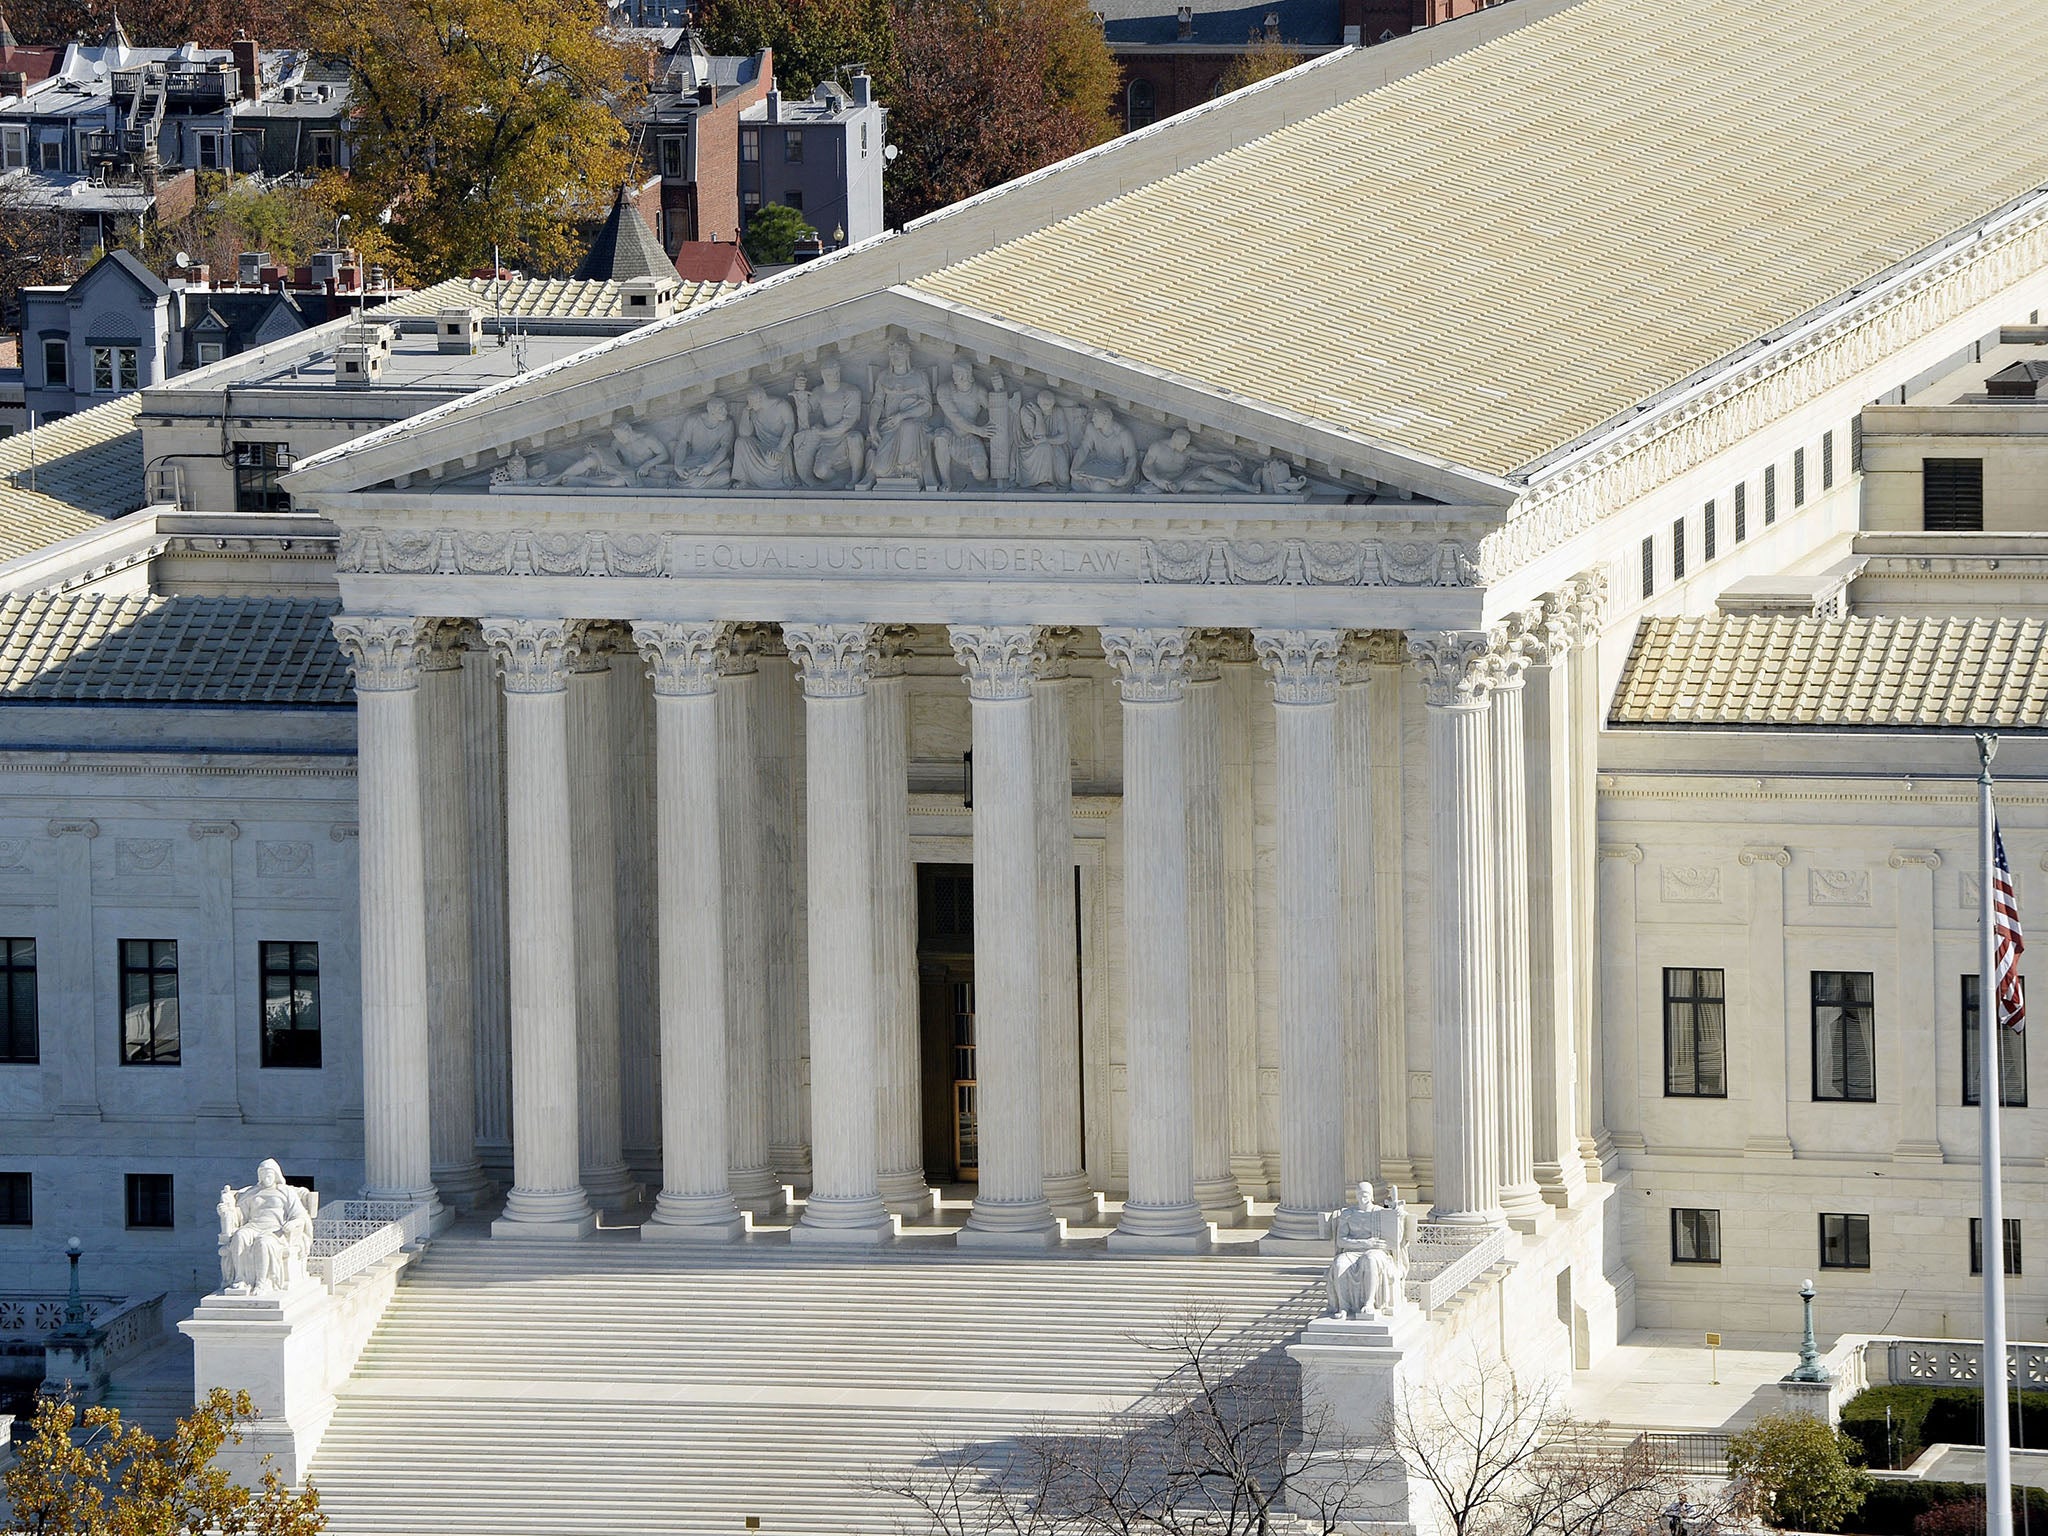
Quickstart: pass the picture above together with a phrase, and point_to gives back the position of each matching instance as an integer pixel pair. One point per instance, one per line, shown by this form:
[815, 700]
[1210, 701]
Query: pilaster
[65, 977]
[1384, 655]
[207, 975]
[1770, 1034]
[1216, 1188]
[1920, 1141]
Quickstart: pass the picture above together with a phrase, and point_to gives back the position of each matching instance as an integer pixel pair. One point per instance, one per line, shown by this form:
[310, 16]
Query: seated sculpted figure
[1371, 1257]
[899, 422]
[1042, 458]
[830, 448]
[265, 1234]
[704, 450]
[761, 454]
[1106, 458]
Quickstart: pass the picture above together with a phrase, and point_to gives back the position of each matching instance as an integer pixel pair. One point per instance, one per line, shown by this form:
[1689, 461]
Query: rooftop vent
[459, 329]
[646, 298]
[357, 362]
[249, 267]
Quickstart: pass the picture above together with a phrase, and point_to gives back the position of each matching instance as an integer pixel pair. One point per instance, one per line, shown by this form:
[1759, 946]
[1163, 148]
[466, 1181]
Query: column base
[612, 1189]
[463, 1185]
[1009, 1224]
[1009, 1240]
[693, 1219]
[1492, 1217]
[1297, 1230]
[906, 1193]
[1221, 1202]
[1176, 1228]
[567, 1230]
[1525, 1208]
[1917, 1152]
[1121, 1241]
[1563, 1184]
[792, 1163]
[862, 1221]
[553, 1214]
[755, 1191]
[1071, 1197]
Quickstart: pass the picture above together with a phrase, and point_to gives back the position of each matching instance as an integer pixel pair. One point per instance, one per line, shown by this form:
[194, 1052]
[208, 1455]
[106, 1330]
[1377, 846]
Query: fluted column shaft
[1464, 1063]
[397, 1147]
[899, 1109]
[1520, 1196]
[1560, 1173]
[451, 1002]
[1010, 1207]
[483, 775]
[1304, 668]
[689, 906]
[1059, 992]
[1160, 1209]
[547, 1198]
[1209, 938]
[593, 907]
[785, 931]
[845, 1203]
[750, 1174]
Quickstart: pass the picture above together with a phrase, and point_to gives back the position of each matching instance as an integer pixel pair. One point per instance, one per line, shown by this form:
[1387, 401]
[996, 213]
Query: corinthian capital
[1512, 644]
[832, 659]
[1303, 663]
[1586, 597]
[996, 657]
[1151, 664]
[682, 659]
[383, 652]
[533, 654]
[1456, 666]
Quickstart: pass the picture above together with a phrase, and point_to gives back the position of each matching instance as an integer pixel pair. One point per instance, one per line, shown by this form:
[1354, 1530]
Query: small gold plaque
[1713, 1341]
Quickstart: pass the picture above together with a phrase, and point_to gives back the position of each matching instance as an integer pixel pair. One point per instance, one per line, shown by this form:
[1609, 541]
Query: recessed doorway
[945, 976]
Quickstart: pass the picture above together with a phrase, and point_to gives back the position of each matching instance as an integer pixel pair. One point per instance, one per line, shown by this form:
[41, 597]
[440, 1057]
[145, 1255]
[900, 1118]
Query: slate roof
[625, 247]
[88, 471]
[539, 298]
[1874, 673]
[97, 648]
[1223, 23]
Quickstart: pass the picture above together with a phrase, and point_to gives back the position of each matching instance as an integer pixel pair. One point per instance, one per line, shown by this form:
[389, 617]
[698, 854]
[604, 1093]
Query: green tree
[1265, 54]
[1799, 1467]
[772, 234]
[813, 39]
[982, 91]
[481, 124]
[85, 1473]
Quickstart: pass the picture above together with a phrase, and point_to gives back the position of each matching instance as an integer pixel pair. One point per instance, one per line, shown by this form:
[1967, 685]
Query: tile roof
[88, 471]
[101, 648]
[1485, 259]
[1876, 673]
[539, 298]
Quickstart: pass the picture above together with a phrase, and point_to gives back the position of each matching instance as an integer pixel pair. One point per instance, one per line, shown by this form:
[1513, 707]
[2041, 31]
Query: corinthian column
[1160, 1212]
[1553, 1057]
[690, 934]
[451, 1021]
[845, 1204]
[1010, 1207]
[397, 1155]
[1304, 667]
[594, 898]
[1209, 933]
[742, 835]
[1519, 1195]
[547, 1197]
[899, 1110]
[1059, 993]
[1464, 1064]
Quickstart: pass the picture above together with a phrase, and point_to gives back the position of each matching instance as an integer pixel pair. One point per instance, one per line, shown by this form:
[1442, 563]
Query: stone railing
[1956, 1362]
[1444, 1259]
[31, 1314]
[132, 1327]
[351, 1235]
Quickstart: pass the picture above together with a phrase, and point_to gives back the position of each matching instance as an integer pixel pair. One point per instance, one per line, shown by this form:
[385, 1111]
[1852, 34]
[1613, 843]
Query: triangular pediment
[892, 395]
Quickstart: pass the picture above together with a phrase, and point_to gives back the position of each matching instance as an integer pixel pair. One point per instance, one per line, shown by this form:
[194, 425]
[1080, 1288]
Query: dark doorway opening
[945, 974]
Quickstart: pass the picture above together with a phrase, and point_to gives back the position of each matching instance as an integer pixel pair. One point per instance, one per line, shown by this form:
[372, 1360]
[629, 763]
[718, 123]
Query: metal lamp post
[75, 1319]
[1809, 1352]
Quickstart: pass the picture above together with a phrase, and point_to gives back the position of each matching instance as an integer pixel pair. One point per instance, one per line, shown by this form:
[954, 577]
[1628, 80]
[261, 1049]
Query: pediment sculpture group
[910, 429]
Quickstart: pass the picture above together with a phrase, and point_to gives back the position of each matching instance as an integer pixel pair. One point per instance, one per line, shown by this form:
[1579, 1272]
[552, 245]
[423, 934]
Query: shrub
[1898, 1508]
[1801, 1469]
[1924, 1416]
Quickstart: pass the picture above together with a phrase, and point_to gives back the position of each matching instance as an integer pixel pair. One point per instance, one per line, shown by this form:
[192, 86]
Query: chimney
[1186, 18]
[707, 95]
[13, 82]
[775, 106]
[859, 84]
[248, 65]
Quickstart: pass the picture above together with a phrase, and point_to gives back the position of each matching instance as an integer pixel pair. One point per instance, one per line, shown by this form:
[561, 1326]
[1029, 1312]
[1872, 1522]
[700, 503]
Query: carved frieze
[1838, 887]
[283, 860]
[141, 858]
[1690, 883]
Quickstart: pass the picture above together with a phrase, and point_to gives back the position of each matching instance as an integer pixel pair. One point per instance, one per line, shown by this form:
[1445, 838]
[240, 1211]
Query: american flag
[2006, 944]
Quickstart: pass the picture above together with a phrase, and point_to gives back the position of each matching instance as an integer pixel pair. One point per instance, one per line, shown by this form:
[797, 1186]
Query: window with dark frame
[150, 1201]
[1798, 477]
[2012, 1056]
[1678, 549]
[2012, 1245]
[291, 1003]
[1695, 1236]
[149, 1002]
[1856, 445]
[57, 362]
[1952, 495]
[20, 1036]
[1844, 1037]
[1140, 105]
[750, 144]
[1827, 461]
[257, 467]
[115, 370]
[1695, 1033]
[672, 158]
[1649, 566]
[1770, 494]
[792, 146]
[1844, 1241]
[1707, 533]
[1741, 510]
[17, 1200]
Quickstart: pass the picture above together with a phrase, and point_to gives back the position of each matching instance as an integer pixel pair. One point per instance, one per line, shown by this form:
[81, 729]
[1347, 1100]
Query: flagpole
[1990, 1041]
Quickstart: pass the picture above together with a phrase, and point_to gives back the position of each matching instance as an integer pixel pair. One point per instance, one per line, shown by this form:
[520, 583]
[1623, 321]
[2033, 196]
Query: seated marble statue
[266, 1231]
[1371, 1258]
[1106, 458]
[703, 459]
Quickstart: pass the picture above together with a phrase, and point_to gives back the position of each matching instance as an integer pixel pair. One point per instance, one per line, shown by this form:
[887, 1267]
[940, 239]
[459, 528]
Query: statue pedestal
[1353, 1371]
[75, 1362]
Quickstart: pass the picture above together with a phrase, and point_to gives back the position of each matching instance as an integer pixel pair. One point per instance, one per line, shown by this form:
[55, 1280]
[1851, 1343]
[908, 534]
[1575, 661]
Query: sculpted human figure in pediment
[1042, 452]
[762, 454]
[831, 450]
[899, 420]
[1107, 458]
[1174, 464]
[960, 447]
[703, 458]
[620, 458]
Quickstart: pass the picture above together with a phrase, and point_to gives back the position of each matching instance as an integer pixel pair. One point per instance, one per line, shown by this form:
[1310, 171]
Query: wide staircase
[613, 1386]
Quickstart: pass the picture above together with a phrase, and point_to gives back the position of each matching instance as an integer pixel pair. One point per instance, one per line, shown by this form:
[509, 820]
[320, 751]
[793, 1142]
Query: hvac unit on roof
[357, 362]
[459, 329]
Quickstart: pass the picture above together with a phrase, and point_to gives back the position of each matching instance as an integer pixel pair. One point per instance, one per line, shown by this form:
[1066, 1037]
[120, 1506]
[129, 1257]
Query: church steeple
[117, 35]
[7, 38]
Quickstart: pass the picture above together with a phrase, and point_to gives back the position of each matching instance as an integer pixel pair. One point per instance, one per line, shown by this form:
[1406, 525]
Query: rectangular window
[323, 151]
[1798, 477]
[1844, 1037]
[1707, 533]
[209, 352]
[1856, 445]
[56, 362]
[1770, 494]
[149, 1200]
[114, 370]
[53, 155]
[1952, 495]
[863, 141]
[2012, 1057]
[1844, 1242]
[291, 1004]
[1827, 461]
[792, 146]
[750, 145]
[1695, 1033]
[209, 151]
[1695, 1236]
[1678, 549]
[672, 158]
[19, 1043]
[13, 150]
[149, 1002]
[17, 1200]
[1741, 511]
[793, 199]
[750, 201]
[257, 466]
[1649, 567]
[2012, 1245]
